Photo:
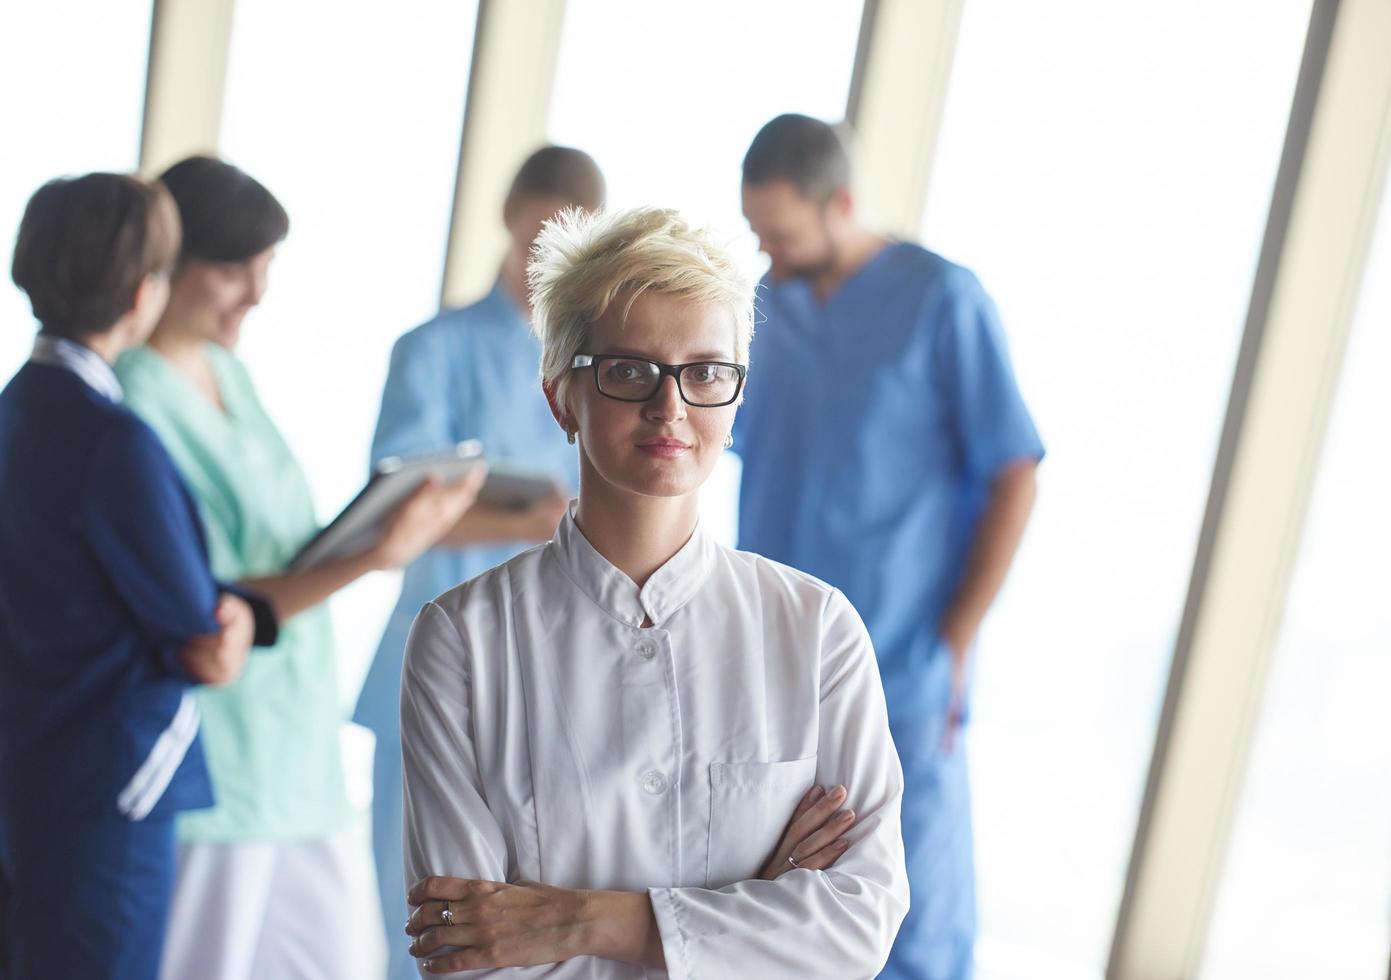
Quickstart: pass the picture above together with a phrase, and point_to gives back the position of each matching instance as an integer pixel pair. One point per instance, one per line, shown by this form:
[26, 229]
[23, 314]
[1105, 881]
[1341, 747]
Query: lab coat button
[654, 783]
[646, 649]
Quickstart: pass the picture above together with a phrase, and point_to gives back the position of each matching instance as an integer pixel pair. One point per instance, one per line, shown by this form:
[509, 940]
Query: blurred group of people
[603, 740]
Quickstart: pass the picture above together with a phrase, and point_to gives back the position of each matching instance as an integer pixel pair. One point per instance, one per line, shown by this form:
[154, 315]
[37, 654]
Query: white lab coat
[547, 736]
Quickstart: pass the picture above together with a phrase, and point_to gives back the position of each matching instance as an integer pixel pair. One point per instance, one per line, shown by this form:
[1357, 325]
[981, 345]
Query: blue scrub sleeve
[973, 372]
[141, 524]
[416, 400]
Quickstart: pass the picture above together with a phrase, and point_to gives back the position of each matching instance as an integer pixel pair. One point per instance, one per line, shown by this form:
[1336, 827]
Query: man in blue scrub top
[470, 373]
[886, 450]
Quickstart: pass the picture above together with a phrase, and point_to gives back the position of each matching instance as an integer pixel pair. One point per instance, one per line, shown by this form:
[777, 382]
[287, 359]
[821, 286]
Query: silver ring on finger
[447, 916]
[792, 861]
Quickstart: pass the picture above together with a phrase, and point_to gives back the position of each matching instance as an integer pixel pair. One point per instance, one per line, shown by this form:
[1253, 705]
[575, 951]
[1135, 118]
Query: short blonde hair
[582, 261]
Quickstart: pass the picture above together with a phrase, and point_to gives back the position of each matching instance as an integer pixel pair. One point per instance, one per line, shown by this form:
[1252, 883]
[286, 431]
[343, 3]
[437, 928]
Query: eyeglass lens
[704, 384]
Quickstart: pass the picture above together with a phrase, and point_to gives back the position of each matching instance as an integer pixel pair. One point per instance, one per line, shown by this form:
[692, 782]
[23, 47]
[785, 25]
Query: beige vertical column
[189, 43]
[1327, 194]
[897, 94]
[509, 101]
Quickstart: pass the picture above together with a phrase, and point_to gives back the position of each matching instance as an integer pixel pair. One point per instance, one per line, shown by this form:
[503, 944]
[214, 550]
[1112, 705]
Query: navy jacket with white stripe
[103, 579]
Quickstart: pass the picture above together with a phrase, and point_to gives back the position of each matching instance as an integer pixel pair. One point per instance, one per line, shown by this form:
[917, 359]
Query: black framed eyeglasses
[702, 384]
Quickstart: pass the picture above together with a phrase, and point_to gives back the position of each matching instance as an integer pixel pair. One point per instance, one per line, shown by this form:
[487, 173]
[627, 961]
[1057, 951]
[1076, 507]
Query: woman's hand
[219, 659]
[813, 838]
[495, 925]
[425, 517]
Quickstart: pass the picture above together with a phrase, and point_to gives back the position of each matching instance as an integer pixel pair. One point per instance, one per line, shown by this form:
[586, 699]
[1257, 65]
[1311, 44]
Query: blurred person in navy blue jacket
[108, 612]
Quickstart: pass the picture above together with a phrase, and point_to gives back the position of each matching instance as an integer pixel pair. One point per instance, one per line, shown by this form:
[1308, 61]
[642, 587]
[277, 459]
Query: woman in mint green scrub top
[253, 869]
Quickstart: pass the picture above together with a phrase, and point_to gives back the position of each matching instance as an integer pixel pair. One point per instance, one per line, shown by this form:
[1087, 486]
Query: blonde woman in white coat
[631, 751]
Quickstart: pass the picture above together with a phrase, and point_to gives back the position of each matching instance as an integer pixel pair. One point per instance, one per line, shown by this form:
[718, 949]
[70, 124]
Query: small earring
[729, 440]
[570, 436]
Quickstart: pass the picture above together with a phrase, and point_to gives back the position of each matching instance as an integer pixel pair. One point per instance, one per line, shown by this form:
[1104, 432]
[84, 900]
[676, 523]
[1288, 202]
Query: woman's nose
[667, 405]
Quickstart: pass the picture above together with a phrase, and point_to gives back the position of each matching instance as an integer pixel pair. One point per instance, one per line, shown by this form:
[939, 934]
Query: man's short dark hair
[807, 152]
[84, 246]
[560, 172]
[228, 215]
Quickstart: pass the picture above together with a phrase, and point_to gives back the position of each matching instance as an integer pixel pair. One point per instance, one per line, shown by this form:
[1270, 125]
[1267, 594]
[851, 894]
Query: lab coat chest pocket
[750, 805]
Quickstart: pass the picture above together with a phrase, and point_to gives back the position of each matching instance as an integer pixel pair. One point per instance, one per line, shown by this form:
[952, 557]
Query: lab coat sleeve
[972, 370]
[835, 923]
[139, 522]
[449, 829]
[417, 399]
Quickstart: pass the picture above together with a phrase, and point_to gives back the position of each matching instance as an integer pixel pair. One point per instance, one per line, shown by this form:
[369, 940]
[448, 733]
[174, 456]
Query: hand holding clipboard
[404, 508]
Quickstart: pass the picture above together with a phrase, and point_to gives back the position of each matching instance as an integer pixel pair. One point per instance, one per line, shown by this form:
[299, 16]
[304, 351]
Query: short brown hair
[561, 172]
[86, 243]
[807, 152]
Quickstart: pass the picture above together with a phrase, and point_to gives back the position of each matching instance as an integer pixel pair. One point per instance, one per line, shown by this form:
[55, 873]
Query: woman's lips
[664, 448]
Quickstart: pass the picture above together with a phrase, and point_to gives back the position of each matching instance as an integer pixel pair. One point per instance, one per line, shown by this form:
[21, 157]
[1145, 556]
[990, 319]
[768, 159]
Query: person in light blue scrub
[886, 450]
[470, 373]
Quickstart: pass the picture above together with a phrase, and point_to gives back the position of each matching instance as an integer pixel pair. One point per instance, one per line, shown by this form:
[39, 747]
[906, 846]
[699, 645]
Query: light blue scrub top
[871, 430]
[470, 373]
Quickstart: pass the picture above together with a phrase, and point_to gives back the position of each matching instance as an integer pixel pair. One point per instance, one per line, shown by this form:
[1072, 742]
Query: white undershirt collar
[82, 361]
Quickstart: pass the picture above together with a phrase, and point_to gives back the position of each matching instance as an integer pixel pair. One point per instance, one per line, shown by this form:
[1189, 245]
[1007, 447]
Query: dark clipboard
[394, 479]
[512, 487]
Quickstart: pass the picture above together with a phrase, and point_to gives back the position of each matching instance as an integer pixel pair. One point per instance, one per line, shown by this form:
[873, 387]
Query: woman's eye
[706, 374]
[624, 371]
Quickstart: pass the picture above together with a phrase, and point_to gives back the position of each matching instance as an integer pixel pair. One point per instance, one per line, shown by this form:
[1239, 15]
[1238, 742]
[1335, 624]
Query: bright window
[1307, 886]
[74, 98]
[667, 97]
[351, 115]
[1106, 170]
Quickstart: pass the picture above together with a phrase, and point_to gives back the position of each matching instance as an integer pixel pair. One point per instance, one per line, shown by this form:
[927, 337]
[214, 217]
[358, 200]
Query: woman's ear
[551, 387]
[146, 307]
[151, 294]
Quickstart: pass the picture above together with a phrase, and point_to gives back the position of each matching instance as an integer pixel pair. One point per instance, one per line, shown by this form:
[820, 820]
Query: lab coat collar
[667, 590]
[81, 361]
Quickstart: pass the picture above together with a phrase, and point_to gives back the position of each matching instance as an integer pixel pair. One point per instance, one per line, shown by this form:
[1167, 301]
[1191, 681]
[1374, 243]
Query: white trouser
[295, 910]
